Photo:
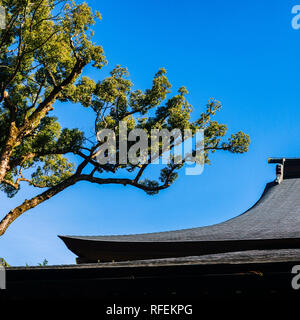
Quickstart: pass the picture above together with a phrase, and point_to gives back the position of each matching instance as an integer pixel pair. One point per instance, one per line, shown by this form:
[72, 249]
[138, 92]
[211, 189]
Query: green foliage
[41, 155]
[40, 47]
[41, 264]
[113, 100]
[10, 190]
[43, 51]
[152, 184]
[44, 263]
[3, 263]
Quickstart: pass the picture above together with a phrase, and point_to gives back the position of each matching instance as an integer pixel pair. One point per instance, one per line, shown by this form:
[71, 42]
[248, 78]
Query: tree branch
[47, 105]
[33, 202]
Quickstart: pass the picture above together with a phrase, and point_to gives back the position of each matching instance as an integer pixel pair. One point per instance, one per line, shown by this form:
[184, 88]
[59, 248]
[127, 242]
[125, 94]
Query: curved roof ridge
[275, 215]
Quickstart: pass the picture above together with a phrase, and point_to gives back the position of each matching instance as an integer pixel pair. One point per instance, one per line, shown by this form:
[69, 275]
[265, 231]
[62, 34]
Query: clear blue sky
[243, 53]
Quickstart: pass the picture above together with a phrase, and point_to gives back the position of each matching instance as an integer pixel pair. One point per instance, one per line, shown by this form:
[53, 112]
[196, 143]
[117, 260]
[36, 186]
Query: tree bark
[7, 150]
[29, 204]
[16, 135]
[4, 161]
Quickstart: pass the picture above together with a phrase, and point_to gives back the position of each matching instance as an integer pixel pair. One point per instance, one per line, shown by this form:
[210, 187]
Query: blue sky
[243, 53]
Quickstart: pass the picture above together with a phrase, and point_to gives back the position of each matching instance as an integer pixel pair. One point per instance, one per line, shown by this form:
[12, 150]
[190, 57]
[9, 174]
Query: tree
[43, 51]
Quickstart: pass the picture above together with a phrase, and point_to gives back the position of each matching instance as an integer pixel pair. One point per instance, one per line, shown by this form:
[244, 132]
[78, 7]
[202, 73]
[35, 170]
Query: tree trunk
[29, 204]
[7, 150]
[16, 135]
[4, 165]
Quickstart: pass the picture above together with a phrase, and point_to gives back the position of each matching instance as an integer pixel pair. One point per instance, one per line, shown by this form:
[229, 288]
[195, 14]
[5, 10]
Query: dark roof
[239, 257]
[276, 216]
[180, 279]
